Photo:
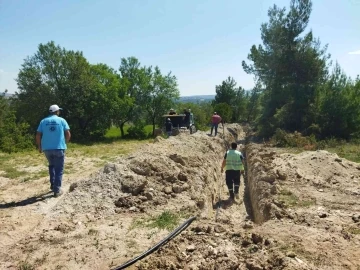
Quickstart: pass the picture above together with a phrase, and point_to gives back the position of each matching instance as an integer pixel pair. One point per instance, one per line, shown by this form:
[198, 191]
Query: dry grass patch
[31, 165]
[289, 199]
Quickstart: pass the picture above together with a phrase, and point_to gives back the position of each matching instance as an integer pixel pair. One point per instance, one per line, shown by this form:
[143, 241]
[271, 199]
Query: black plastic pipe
[158, 245]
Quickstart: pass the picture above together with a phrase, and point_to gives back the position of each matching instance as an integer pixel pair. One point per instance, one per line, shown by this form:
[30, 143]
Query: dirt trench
[300, 211]
[100, 214]
[282, 220]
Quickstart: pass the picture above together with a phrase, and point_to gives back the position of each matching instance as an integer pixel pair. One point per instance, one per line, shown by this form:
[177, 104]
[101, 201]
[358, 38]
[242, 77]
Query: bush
[137, 132]
[332, 142]
[283, 139]
[14, 137]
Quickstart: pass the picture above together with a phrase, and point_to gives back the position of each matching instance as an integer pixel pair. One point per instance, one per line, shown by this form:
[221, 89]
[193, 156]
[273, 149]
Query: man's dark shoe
[51, 187]
[57, 194]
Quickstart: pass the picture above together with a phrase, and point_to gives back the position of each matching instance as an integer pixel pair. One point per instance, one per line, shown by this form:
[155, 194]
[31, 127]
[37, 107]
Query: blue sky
[201, 41]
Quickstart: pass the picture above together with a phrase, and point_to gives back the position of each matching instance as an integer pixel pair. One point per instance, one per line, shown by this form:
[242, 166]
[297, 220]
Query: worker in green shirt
[234, 167]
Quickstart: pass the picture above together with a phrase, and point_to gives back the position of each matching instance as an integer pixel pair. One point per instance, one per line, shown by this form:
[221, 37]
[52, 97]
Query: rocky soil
[297, 211]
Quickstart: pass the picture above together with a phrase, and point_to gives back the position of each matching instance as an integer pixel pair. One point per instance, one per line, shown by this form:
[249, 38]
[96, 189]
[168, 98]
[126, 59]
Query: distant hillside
[193, 99]
[196, 99]
[6, 95]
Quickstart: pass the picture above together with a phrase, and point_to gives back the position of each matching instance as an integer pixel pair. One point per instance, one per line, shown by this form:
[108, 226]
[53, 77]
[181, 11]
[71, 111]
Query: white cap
[54, 108]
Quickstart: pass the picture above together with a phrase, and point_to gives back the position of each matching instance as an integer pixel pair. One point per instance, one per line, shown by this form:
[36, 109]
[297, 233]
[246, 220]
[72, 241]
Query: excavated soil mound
[309, 203]
[99, 214]
[306, 213]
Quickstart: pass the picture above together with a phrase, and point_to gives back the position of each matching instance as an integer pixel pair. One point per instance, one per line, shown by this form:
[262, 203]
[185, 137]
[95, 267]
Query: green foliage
[234, 97]
[159, 95]
[94, 97]
[298, 94]
[24, 265]
[296, 139]
[225, 92]
[202, 113]
[225, 111]
[354, 230]
[54, 75]
[132, 78]
[137, 132]
[290, 66]
[291, 200]
[338, 111]
[112, 133]
[350, 151]
[14, 135]
[253, 105]
[166, 220]
[149, 94]
[288, 198]
[11, 172]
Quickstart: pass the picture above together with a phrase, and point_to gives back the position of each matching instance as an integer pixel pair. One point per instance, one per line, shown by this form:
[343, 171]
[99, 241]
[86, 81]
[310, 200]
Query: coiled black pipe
[162, 242]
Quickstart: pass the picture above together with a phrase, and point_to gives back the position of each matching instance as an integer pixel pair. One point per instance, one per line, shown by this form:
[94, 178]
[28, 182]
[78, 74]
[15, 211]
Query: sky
[201, 42]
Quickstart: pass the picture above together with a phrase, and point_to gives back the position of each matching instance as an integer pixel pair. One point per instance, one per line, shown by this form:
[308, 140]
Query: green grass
[149, 128]
[349, 151]
[354, 230]
[12, 173]
[288, 198]
[10, 164]
[25, 266]
[166, 220]
[5, 157]
[98, 149]
[306, 203]
[36, 175]
[291, 200]
[19, 165]
[114, 132]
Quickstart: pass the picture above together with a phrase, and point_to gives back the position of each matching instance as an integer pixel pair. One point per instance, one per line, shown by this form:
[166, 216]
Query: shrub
[283, 139]
[14, 137]
[137, 132]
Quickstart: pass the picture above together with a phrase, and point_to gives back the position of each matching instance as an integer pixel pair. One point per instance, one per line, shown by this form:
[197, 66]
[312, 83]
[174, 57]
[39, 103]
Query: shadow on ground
[27, 201]
[223, 204]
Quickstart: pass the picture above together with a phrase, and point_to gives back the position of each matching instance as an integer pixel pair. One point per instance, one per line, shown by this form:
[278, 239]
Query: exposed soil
[295, 212]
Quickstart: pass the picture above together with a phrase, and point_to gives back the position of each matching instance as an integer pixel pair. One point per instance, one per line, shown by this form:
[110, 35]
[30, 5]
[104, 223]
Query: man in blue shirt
[52, 135]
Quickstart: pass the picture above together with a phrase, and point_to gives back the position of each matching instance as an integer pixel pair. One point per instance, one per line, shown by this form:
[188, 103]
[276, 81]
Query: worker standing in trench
[233, 164]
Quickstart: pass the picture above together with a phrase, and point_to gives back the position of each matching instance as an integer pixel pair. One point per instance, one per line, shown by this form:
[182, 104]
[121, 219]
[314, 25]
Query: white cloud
[2, 71]
[355, 52]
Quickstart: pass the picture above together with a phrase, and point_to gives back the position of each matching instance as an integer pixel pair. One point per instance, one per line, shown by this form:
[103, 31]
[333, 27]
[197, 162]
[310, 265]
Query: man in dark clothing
[215, 121]
[172, 112]
[187, 118]
[233, 161]
[168, 127]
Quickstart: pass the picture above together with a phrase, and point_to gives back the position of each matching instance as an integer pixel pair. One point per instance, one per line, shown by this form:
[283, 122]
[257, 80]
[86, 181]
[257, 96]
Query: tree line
[93, 97]
[297, 88]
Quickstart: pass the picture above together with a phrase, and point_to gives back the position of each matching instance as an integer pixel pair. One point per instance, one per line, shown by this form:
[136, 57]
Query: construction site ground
[296, 211]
